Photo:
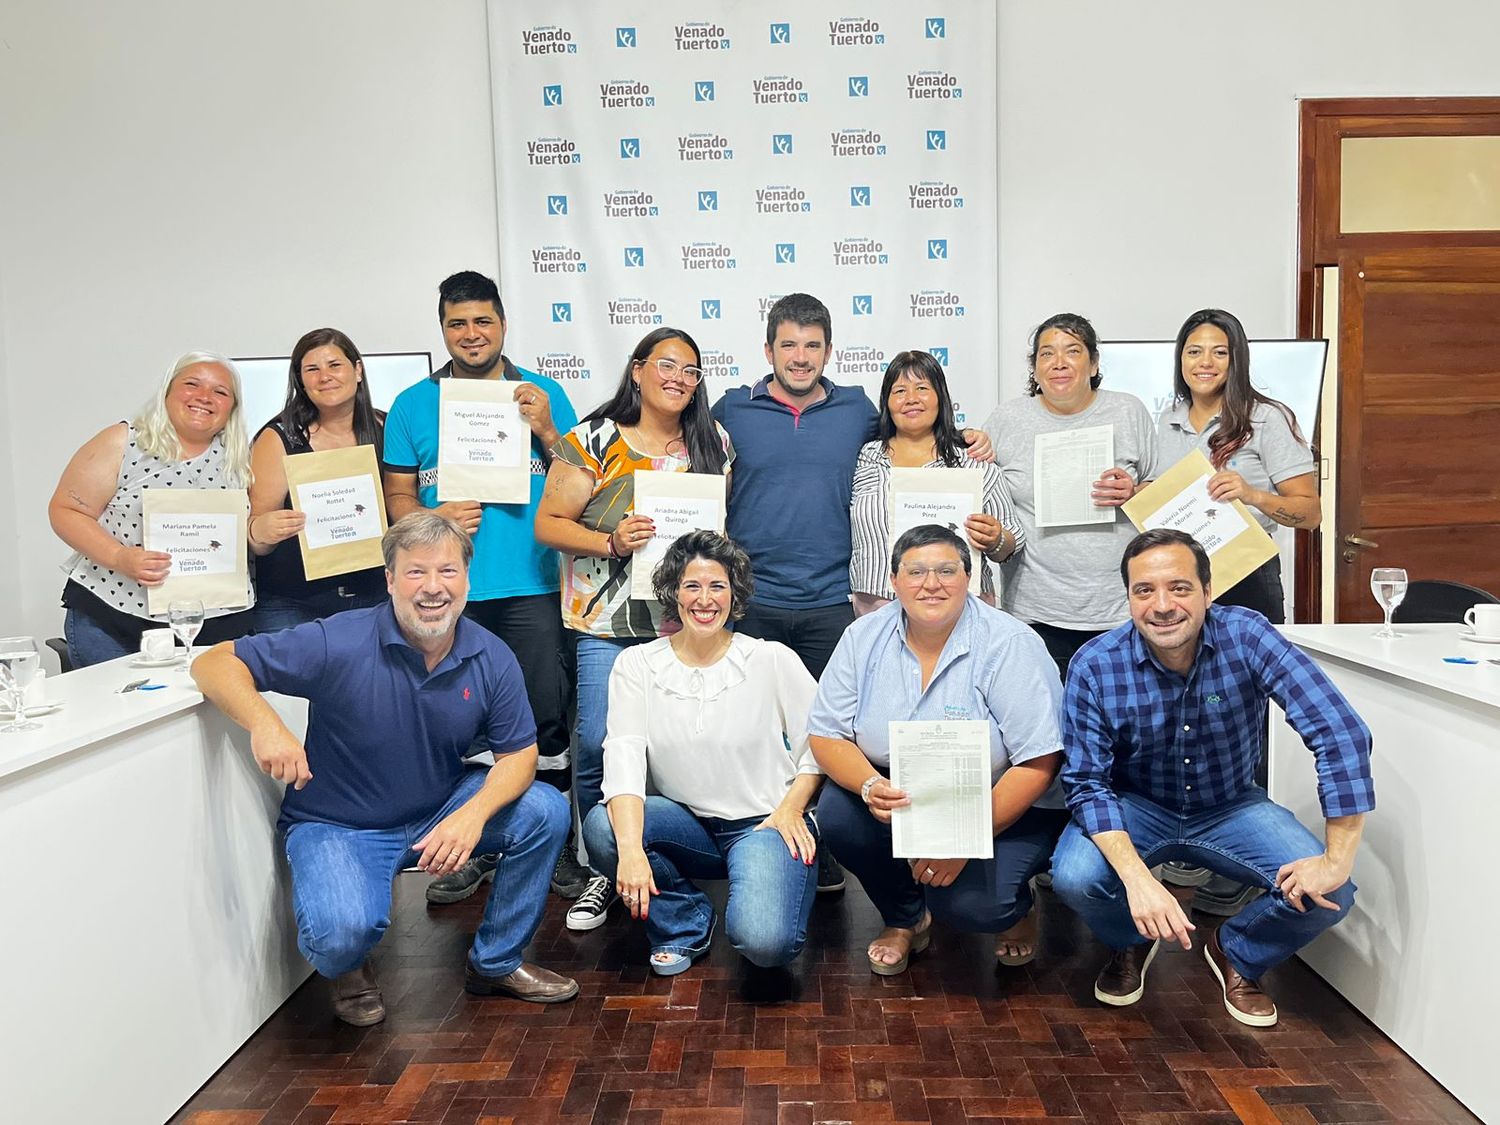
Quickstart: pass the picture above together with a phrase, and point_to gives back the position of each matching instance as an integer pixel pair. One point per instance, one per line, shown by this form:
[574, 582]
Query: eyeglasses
[670, 369]
[946, 572]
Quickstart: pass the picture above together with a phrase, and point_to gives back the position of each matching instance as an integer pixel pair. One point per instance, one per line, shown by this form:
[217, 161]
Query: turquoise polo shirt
[508, 561]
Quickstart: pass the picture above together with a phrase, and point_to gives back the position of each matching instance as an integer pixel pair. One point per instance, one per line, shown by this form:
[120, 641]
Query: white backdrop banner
[685, 164]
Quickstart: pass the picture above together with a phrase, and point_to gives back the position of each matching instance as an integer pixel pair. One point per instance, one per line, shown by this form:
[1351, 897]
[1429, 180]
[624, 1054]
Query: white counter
[1413, 955]
[147, 925]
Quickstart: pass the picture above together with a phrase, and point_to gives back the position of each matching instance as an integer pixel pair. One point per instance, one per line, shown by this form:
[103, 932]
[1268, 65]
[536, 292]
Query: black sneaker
[1181, 874]
[592, 907]
[569, 877]
[830, 874]
[1222, 897]
[463, 882]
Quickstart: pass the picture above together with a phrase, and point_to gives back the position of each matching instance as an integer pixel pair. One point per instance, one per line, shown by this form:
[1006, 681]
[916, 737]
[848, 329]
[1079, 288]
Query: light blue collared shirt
[993, 668]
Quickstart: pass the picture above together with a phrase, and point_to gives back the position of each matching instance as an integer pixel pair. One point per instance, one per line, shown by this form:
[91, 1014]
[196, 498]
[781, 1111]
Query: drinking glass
[19, 660]
[1388, 584]
[186, 620]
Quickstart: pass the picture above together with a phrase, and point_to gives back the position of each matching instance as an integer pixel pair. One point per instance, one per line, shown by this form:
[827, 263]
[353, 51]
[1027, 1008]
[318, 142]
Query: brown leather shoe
[1122, 981]
[1243, 998]
[530, 982]
[356, 997]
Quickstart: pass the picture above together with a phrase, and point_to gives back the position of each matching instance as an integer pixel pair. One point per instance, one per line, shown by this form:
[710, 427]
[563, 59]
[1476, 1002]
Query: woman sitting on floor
[718, 720]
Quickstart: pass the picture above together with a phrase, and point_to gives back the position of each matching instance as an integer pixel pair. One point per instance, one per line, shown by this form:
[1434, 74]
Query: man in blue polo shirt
[1162, 723]
[514, 580]
[397, 696]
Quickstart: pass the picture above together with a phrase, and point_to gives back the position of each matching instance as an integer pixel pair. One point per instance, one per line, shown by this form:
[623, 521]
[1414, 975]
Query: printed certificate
[1066, 467]
[678, 503]
[942, 496]
[1179, 499]
[339, 492]
[204, 530]
[944, 769]
[484, 446]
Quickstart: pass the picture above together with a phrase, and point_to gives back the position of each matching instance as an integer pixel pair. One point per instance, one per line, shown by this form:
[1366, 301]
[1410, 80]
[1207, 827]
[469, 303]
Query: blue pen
[158, 687]
[1459, 660]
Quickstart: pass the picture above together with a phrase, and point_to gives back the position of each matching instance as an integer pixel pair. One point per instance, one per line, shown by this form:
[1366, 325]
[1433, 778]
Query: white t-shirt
[726, 741]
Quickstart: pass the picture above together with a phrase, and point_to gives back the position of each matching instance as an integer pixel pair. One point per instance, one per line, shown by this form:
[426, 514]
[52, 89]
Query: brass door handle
[1356, 541]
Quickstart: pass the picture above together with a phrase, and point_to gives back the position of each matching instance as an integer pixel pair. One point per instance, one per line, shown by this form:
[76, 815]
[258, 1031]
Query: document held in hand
[677, 503]
[339, 492]
[1066, 466]
[484, 446]
[943, 766]
[204, 530]
[945, 497]
[1179, 499]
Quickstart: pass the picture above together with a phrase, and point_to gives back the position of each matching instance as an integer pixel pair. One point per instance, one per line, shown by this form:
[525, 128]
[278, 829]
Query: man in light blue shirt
[938, 653]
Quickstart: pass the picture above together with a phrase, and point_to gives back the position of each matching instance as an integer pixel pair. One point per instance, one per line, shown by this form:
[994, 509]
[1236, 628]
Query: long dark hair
[705, 449]
[946, 439]
[1240, 398]
[299, 412]
[1075, 326]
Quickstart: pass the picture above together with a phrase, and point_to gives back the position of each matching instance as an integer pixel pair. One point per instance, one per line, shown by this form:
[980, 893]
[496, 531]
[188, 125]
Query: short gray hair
[423, 529]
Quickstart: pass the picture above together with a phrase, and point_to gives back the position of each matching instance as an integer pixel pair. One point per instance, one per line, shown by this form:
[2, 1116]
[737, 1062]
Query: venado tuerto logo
[709, 308]
[859, 196]
[781, 144]
[856, 142]
[933, 195]
[859, 85]
[708, 201]
[939, 352]
[704, 147]
[707, 256]
[720, 365]
[937, 249]
[861, 360]
[781, 34]
[562, 312]
[551, 151]
[629, 204]
[630, 148]
[855, 33]
[777, 89]
[625, 37]
[552, 95]
[863, 304]
[700, 36]
[562, 366]
[786, 254]
[703, 91]
[937, 140]
[637, 311]
[549, 40]
[932, 85]
[931, 304]
[557, 205]
[557, 259]
[935, 27]
[763, 304]
[626, 95]
[781, 199]
[635, 257]
[859, 252]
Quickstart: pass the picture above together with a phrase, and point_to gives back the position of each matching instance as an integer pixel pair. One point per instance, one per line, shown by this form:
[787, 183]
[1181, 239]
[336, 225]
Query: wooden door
[1419, 419]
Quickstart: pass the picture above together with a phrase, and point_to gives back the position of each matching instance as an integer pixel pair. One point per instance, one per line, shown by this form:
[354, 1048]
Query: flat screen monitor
[264, 381]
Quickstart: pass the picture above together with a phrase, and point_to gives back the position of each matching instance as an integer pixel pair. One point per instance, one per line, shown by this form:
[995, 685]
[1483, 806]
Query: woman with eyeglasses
[658, 419]
[939, 654]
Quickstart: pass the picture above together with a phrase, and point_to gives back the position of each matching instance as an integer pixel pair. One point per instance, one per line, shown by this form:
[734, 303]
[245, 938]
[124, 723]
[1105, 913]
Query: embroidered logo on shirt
[954, 711]
[466, 695]
[1214, 699]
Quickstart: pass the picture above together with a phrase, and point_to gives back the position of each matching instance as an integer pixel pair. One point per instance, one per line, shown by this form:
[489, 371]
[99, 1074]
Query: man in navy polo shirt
[397, 696]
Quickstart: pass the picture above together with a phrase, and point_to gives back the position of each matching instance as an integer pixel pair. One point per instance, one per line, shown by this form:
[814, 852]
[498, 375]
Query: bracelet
[864, 790]
[609, 542]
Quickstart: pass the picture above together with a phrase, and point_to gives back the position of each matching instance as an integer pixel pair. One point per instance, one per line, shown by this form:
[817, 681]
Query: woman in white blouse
[718, 721]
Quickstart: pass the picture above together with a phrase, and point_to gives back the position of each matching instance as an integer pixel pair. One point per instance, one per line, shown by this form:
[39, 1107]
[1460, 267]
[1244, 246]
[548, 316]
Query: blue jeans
[92, 640]
[988, 897]
[274, 612]
[341, 879]
[1246, 840]
[596, 656]
[770, 893]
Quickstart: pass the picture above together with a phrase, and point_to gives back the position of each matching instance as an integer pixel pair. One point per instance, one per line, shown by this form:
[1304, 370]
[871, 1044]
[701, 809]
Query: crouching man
[1162, 726]
[397, 696]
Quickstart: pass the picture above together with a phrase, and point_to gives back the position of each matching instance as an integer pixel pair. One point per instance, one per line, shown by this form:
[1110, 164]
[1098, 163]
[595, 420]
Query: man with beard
[397, 696]
[1162, 724]
[514, 581]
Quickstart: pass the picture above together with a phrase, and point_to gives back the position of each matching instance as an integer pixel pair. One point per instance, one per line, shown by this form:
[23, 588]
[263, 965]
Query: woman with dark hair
[1063, 584]
[658, 419]
[708, 716]
[936, 654]
[327, 407]
[917, 430]
[1258, 453]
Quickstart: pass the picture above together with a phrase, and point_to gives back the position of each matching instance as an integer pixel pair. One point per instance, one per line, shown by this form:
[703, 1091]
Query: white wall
[209, 175]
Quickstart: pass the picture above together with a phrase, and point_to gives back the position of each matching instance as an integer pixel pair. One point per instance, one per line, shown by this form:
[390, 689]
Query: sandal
[1016, 960]
[669, 962]
[921, 938]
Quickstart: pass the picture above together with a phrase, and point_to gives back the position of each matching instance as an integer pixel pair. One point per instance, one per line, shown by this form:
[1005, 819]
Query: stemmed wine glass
[1388, 584]
[186, 620]
[19, 661]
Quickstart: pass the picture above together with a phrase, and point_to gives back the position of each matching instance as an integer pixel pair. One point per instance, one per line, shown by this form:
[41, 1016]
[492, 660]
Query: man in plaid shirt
[1162, 726]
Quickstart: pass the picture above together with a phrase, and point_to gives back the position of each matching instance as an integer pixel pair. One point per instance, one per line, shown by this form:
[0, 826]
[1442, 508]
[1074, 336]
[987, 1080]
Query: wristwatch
[864, 790]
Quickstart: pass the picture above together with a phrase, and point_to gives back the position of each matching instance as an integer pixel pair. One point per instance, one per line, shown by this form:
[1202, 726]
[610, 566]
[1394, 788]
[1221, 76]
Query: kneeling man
[1162, 726]
[397, 696]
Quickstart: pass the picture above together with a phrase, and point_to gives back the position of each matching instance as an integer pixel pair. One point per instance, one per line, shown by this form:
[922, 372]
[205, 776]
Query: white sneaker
[592, 907]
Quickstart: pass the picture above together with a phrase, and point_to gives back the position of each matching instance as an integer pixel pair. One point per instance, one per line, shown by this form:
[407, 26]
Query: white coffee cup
[1484, 619]
[158, 644]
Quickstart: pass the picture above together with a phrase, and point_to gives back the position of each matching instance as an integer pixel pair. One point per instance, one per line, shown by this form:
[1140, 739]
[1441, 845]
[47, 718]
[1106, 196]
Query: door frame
[1323, 124]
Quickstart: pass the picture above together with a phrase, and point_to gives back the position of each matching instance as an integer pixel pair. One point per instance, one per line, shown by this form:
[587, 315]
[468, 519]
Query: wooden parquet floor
[956, 1039]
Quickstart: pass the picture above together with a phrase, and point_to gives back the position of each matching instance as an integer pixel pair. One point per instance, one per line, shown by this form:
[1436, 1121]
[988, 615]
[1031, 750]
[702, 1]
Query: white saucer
[33, 710]
[144, 662]
[1479, 638]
